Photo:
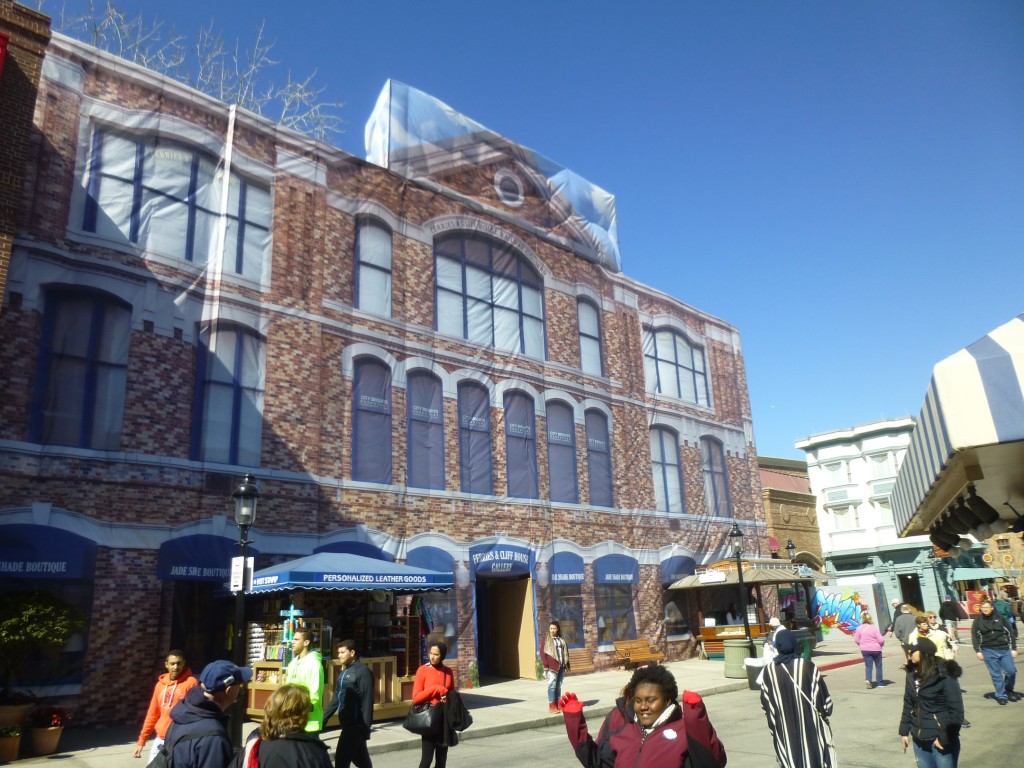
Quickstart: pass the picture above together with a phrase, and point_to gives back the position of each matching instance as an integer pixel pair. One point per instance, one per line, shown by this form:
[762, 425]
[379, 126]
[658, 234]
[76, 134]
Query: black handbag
[423, 720]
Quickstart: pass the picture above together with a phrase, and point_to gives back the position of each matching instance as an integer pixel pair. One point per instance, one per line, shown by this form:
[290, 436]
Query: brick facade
[132, 499]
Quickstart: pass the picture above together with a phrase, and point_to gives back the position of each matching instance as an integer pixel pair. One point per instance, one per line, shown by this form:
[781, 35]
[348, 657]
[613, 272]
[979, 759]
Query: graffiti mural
[837, 609]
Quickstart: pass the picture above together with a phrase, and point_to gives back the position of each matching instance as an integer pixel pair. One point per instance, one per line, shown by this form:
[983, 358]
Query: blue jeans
[555, 685]
[1002, 669]
[875, 658]
[930, 756]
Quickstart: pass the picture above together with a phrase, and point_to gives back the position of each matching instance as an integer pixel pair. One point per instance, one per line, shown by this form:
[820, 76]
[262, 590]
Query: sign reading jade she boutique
[500, 561]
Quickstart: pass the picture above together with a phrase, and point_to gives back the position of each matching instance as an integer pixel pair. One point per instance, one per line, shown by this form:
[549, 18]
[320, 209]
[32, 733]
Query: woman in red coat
[648, 728]
[432, 684]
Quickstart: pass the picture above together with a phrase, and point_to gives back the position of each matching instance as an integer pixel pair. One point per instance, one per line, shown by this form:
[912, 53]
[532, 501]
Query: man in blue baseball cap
[198, 736]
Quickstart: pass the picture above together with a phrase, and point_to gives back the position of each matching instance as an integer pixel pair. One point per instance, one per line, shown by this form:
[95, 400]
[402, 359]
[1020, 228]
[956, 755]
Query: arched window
[562, 453]
[674, 367]
[599, 459]
[167, 197]
[230, 405]
[426, 431]
[371, 421]
[373, 268]
[83, 363]
[668, 480]
[475, 469]
[488, 294]
[590, 337]
[716, 478]
[520, 446]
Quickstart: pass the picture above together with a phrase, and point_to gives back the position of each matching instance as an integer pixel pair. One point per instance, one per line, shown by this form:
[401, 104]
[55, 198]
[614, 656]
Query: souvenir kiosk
[392, 640]
[717, 585]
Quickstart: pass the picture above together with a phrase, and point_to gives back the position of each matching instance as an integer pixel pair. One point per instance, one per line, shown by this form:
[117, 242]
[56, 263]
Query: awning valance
[200, 557]
[338, 570]
[760, 571]
[43, 552]
[974, 574]
[976, 399]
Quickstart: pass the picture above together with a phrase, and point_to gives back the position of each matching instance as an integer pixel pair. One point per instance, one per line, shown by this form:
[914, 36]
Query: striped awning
[976, 399]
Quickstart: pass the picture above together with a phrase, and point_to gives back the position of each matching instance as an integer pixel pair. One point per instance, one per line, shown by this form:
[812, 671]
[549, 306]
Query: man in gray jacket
[904, 626]
[353, 701]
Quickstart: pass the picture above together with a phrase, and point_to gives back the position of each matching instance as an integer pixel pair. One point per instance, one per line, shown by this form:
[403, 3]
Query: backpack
[165, 755]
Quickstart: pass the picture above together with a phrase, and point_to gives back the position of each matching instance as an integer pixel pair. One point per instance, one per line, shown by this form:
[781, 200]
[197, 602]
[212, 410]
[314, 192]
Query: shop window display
[567, 608]
[613, 604]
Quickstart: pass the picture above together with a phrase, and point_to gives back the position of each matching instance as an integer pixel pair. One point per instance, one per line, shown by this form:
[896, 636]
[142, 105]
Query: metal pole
[935, 576]
[743, 606]
[239, 707]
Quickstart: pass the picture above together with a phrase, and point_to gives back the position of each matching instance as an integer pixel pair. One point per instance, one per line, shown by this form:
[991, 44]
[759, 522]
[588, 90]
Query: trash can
[804, 642]
[754, 667]
[735, 652]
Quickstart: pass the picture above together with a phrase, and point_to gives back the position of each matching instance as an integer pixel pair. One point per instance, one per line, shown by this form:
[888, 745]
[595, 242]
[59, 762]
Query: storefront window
[567, 608]
[613, 604]
[677, 626]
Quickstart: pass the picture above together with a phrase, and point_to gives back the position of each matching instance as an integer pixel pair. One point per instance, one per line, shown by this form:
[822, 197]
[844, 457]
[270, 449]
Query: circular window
[509, 187]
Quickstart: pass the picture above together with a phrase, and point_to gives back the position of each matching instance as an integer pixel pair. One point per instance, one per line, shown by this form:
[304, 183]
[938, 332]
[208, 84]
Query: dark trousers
[352, 750]
[431, 750]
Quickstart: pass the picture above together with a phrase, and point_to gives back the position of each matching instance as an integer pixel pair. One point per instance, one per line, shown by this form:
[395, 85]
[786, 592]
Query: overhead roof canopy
[342, 570]
[970, 431]
[755, 571]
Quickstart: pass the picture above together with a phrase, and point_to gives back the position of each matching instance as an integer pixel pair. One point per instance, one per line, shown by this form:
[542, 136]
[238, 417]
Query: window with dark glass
[371, 422]
[590, 337]
[167, 197]
[426, 431]
[674, 367]
[229, 412]
[373, 268]
[520, 446]
[668, 481]
[475, 467]
[562, 453]
[613, 604]
[716, 480]
[599, 459]
[567, 607]
[83, 363]
[488, 294]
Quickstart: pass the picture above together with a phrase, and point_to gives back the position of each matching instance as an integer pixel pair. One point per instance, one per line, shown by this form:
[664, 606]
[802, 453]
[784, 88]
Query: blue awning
[361, 548]
[676, 567]
[335, 570]
[974, 574]
[566, 568]
[976, 399]
[43, 552]
[616, 569]
[199, 557]
[500, 561]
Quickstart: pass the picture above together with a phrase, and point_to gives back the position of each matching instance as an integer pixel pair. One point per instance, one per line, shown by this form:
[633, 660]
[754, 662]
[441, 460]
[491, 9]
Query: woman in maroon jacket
[648, 728]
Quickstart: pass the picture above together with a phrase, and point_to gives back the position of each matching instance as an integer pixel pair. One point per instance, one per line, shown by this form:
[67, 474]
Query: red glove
[569, 703]
[691, 698]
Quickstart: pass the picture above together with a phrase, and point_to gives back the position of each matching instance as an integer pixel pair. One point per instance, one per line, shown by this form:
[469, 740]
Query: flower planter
[43, 741]
[9, 747]
[14, 714]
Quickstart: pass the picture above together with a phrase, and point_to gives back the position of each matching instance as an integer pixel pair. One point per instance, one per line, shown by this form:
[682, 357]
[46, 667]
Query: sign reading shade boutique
[675, 568]
[199, 557]
[43, 552]
[566, 568]
[500, 561]
[616, 569]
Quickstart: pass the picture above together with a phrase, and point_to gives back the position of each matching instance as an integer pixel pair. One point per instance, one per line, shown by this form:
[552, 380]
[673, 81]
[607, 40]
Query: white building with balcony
[852, 472]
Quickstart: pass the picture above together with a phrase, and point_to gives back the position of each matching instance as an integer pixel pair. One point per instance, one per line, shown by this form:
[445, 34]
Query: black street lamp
[791, 550]
[736, 536]
[246, 495]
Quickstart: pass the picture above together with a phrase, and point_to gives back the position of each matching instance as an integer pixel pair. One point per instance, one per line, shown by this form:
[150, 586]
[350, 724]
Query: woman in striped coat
[797, 705]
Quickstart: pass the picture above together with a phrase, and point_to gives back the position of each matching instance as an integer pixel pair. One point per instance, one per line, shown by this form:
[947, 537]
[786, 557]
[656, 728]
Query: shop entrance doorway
[910, 590]
[504, 613]
[200, 620]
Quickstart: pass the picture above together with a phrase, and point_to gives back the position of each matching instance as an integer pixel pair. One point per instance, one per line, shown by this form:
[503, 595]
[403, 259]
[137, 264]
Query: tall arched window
[475, 457]
[716, 478]
[599, 459]
[230, 404]
[371, 421]
[668, 480]
[83, 364]
[520, 446]
[373, 268]
[674, 367]
[426, 431]
[488, 294]
[589, 321]
[562, 453]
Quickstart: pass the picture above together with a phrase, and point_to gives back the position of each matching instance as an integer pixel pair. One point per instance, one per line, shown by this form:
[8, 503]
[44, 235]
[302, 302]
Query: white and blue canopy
[970, 430]
[341, 570]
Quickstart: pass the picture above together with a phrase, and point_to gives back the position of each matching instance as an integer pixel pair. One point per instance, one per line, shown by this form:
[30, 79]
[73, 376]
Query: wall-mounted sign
[711, 577]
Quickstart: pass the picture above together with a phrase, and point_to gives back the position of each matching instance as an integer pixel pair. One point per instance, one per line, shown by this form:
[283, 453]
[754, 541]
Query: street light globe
[246, 495]
[736, 537]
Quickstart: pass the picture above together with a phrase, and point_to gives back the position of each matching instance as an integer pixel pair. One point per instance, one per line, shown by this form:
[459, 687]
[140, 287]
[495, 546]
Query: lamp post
[736, 536]
[791, 550]
[934, 562]
[246, 494]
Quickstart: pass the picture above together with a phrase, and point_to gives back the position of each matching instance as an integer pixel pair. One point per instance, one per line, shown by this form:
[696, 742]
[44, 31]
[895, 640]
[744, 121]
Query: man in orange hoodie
[170, 689]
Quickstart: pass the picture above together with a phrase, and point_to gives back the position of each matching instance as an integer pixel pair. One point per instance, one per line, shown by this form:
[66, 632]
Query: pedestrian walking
[433, 682]
[797, 705]
[933, 708]
[949, 612]
[171, 688]
[198, 736]
[282, 740]
[353, 701]
[870, 641]
[927, 626]
[996, 645]
[648, 728]
[904, 625]
[555, 656]
[306, 669]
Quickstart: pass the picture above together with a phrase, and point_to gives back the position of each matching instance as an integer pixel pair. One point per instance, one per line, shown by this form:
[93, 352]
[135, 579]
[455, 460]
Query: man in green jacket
[307, 670]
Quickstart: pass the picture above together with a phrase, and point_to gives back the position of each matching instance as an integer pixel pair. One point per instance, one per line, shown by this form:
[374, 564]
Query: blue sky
[841, 181]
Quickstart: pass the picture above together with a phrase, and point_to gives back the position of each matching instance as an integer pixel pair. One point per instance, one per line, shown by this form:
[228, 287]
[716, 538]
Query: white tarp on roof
[412, 133]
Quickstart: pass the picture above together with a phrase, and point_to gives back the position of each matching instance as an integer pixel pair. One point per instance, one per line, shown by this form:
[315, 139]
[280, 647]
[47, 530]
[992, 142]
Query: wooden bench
[581, 661]
[636, 652]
